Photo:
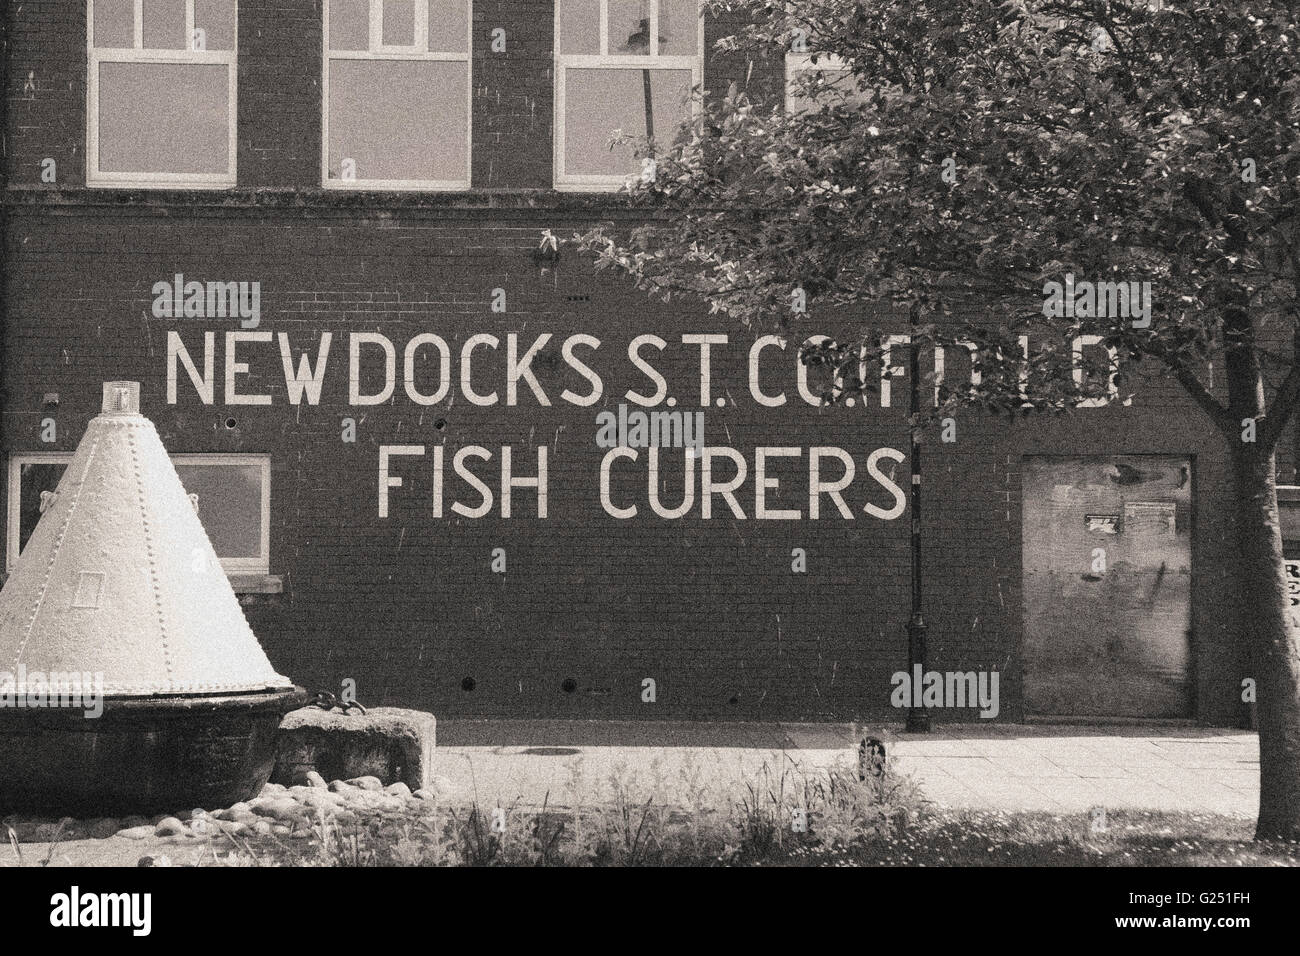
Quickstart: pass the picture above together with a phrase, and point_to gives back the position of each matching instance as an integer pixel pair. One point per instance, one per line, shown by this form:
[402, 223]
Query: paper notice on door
[1150, 517]
[1104, 524]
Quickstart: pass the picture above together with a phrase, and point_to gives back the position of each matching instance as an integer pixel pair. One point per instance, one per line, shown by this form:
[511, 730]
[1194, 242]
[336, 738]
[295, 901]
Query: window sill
[530, 201]
[257, 583]
[241, 583]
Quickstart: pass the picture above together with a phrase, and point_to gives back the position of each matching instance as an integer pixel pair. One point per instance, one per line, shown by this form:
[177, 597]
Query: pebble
[169, 826]
[277, 811]
[247, 818]
[154, 861]
[319, 808]
[309, 778]
[368, 799]
[281, 808]
[233, 812]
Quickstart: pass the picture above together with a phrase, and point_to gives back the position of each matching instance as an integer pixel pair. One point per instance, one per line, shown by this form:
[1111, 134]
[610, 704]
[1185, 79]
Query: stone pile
[292, 812]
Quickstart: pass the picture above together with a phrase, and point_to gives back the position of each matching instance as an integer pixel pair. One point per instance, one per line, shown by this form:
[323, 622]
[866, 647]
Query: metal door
[1107, 586]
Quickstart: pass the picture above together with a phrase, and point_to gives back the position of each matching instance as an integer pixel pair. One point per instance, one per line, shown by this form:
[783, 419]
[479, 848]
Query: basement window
[621, 66]
[234, 504]
[160, 105]
[396, 104]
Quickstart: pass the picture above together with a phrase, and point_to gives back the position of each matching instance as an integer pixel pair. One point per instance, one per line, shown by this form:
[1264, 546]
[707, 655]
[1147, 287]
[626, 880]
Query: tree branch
[1202, 397]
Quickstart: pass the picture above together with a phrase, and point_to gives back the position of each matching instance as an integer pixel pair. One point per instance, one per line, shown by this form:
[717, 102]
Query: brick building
[384, 171]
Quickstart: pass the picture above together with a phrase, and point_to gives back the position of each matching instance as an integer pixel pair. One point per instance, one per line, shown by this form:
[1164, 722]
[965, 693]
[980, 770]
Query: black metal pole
[918, 718]
[649, 109]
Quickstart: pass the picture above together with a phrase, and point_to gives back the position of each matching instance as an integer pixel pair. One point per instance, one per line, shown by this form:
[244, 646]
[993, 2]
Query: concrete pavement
[1014, 767]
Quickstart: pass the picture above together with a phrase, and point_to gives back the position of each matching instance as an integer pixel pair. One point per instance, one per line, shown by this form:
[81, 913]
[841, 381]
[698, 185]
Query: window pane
[230, 503]
[629, 26]
[164, 25]
[349, 24]
[448, 26]
[34, 480]
[679, 28]
[217, 19]
[399, 22]
[838, 86]
[114, 23]
[579, 26]
[230, 506]
[399, 119]
[597, 102]
[163, 117]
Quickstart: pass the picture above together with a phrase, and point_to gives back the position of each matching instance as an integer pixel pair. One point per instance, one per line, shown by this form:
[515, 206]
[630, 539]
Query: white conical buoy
[120, 578]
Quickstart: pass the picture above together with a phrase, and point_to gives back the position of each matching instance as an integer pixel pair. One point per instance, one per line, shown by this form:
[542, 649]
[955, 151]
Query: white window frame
[378, 51]
[260, 564]
[574, 182]
[138, 54]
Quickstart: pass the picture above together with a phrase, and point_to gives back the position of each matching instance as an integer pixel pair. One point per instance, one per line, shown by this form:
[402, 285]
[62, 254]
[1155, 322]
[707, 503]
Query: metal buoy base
[142, 755]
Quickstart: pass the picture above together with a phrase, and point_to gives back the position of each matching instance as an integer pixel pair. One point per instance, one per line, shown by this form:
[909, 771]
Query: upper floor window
[161, 93]
[620, 66]
[397, 94]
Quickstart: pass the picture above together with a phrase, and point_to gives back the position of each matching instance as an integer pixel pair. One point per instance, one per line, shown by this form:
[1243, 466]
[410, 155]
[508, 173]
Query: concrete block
[391, 743]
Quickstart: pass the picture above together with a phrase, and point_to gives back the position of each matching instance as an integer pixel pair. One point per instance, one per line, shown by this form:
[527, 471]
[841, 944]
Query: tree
[972, 153]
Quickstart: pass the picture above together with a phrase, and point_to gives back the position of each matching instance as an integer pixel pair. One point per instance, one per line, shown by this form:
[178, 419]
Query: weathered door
[1107, 586]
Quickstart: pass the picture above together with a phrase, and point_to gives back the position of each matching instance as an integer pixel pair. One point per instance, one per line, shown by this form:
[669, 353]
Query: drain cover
[551, 751]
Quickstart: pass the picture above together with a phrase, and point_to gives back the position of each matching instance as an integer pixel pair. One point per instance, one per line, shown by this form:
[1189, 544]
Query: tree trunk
[1274, 650]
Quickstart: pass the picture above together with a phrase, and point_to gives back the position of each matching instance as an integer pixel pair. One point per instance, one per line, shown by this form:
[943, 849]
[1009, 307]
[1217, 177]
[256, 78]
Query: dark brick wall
[279, 83]
[45, 74]
[512, 104]
[408, 605]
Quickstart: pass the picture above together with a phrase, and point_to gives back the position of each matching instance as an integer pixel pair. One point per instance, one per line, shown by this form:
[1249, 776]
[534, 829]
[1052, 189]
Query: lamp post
[918, 718]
